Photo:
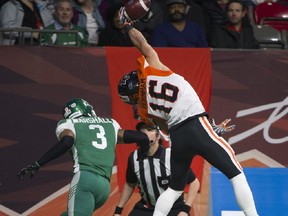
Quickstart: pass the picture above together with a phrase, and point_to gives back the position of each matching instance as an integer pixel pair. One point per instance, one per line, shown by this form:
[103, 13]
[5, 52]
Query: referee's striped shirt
[152, 174]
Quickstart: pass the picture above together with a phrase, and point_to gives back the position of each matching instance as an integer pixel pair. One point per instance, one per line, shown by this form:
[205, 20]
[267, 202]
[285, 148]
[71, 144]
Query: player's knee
[240, 178]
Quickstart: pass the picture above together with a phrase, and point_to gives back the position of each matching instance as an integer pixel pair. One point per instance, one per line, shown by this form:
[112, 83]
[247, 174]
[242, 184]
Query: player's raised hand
[30, 170]
[134, 10]
[222, 127]
[123, 17]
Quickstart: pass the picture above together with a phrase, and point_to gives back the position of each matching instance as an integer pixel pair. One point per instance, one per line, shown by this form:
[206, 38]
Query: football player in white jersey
[167, 100]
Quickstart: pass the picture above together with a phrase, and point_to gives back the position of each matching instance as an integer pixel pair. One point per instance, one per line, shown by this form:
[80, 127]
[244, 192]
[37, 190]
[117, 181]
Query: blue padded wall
[269, 187]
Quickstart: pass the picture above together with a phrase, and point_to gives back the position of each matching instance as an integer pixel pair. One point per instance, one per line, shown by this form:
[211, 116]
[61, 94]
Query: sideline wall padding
[268, 185]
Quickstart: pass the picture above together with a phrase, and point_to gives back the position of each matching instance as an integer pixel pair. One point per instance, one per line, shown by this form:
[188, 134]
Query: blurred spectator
[215, 14]
[30, 14]
[234, 34]
[63, 16]
[154, 17]
[114, 34]
[194, 12]
[178, 31]
[87, 15]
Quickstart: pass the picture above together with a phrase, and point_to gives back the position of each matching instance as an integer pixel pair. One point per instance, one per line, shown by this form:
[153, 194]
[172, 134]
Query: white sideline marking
[47, 200]
[258, 156]
[8, 211]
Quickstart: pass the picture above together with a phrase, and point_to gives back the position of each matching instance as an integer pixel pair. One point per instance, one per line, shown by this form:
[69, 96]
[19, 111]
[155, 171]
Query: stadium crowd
[169, 23]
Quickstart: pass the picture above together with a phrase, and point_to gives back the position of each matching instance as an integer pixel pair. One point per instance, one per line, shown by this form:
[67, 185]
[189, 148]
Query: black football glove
[30, 170]
[222, 128]
[123, 16]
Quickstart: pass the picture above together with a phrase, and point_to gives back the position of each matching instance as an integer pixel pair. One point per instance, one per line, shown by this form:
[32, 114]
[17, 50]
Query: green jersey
[94, 144]
[65, 39]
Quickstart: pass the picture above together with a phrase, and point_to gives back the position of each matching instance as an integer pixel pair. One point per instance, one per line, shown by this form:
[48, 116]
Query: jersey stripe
[162, 168]
[220, 141]
[143, 180]
[72, 192]
[153, 177]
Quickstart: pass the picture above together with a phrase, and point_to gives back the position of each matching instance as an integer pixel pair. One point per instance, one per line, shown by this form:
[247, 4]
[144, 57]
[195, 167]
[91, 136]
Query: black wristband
[186, 208]
[118, 210]
[127, 28]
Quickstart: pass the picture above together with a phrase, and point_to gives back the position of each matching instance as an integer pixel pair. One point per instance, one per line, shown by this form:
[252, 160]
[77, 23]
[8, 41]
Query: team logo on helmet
[124, 80]
[128, 88]
[78, 107]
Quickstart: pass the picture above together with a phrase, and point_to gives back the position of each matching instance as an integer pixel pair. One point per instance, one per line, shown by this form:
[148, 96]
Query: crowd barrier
[267, 36]
[24, 35]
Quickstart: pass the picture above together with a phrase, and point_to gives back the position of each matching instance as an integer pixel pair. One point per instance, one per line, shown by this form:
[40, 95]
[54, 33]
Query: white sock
[165, 202]
[244, 195]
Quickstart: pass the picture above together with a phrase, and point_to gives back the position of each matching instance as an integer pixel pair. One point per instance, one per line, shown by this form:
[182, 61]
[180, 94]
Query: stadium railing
[9, 35]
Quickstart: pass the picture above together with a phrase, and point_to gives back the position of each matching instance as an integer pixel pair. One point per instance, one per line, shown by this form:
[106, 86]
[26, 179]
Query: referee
[150, 172]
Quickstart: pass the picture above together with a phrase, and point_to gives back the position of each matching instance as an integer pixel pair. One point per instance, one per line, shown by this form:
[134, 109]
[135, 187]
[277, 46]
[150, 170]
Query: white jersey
[179, 100]
[168, 96]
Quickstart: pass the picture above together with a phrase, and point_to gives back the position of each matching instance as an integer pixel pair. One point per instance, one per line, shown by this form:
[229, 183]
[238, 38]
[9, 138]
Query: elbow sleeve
[132, 136]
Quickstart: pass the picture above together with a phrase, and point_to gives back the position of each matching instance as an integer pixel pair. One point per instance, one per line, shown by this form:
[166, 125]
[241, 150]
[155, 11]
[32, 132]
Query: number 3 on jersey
[101, 142]
[168, 93]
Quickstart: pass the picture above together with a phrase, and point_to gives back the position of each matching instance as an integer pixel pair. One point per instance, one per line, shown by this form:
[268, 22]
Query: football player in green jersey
[91, 141]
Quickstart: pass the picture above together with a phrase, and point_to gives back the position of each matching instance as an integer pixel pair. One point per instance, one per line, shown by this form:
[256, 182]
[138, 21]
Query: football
[137, 9]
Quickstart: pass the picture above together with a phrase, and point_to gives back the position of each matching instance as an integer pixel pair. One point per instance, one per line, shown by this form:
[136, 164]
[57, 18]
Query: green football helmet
[76, 108]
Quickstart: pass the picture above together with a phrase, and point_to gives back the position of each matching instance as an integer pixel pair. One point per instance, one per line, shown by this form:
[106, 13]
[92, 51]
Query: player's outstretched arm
[133, 136]
[140, 42]
[54, 152]
[137, 38]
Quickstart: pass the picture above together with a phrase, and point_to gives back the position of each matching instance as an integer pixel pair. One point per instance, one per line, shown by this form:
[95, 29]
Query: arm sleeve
[57, 150]
[132, 136]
